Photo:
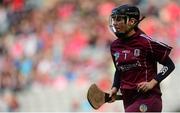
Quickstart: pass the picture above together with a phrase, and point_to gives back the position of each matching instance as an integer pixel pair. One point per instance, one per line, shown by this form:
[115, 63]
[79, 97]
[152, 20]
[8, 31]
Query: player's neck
[132, 32]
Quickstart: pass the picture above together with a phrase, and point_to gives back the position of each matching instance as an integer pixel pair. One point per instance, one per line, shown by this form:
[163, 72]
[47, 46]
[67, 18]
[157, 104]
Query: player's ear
[132, 21]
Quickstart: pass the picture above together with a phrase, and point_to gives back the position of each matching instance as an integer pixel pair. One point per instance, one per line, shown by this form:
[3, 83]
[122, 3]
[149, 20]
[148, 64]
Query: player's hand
[112, 94]
[146, 86]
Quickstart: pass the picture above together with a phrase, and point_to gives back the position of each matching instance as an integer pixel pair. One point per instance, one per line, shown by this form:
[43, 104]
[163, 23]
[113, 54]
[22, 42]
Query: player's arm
[117, 80]
[116, 85]
[168, 67]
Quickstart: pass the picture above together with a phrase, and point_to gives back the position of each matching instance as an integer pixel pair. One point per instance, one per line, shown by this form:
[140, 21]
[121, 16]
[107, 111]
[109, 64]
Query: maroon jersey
[136, 59]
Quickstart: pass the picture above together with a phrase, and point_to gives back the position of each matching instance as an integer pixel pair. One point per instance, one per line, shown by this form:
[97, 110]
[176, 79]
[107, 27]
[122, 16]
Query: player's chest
[128, 54]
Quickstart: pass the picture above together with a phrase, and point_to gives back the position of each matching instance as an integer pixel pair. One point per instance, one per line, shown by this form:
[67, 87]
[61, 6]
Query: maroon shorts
[135, 102]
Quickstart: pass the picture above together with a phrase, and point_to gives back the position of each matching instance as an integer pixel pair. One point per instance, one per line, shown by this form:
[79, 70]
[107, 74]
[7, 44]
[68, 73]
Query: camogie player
[135, 56]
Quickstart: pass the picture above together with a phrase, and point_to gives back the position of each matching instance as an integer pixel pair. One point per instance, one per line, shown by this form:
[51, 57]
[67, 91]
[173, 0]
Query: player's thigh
[151, 104]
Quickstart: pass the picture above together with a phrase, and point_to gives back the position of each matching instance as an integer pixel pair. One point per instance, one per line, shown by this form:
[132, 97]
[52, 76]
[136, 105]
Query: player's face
[118, 24]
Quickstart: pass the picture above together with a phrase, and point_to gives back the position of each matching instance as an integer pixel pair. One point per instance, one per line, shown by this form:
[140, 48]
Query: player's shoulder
[144, 38]
[115, 43]
[148, 39]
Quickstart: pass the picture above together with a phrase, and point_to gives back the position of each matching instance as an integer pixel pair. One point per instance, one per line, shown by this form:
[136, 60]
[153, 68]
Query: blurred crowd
[55, 43]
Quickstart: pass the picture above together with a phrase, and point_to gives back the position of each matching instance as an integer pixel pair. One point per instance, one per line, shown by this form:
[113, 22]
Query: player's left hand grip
[107, 98]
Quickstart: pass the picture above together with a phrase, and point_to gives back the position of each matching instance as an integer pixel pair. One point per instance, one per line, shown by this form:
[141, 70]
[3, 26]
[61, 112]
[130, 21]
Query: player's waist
[133, 93]
[128, 85]
[131, 88]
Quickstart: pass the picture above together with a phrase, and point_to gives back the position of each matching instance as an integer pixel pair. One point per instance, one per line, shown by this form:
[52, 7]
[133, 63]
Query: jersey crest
[116, 55]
